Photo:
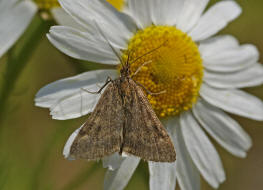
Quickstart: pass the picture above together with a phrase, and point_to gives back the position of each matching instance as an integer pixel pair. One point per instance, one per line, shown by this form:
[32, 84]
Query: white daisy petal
[228, 59]
[252, 76]
[66, 150]
[162, 175]
[74, 106]
[218, 43]
[119, 178]
[63, 18]
[81, 45]
[141, 11]
[149, 12]
[171, 8]
[190, 14]
[212, 46]
[14, 22]
[113, 162]
[6, 4]
[234, 101]
[215, 19]
[187, 175]
[51, 93]
[203, 153]
[118, 26]
[67, 99]
[224, 129]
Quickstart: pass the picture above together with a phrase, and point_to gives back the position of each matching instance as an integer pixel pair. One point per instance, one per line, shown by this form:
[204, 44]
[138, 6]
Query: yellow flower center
[118, 4]
[48, 4]
[171, 65]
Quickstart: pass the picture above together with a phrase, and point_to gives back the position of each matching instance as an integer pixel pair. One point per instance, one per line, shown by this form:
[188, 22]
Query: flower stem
[42, 164]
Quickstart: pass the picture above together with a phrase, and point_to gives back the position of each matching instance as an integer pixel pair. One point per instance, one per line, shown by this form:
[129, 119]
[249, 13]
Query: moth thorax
[125, 71]
[175, 67]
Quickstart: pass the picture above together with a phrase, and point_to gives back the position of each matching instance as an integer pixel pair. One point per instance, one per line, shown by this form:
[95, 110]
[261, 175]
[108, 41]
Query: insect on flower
[123, 121]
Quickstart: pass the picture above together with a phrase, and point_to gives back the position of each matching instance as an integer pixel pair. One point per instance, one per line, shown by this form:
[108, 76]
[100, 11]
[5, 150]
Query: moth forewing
[100, 136]
[144, 135]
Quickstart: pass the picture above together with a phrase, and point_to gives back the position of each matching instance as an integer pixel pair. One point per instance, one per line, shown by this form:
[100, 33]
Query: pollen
[118, 4]
[167, 64]
[47, 4]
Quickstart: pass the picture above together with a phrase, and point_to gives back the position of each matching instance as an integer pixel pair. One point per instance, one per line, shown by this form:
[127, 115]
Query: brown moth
[123, 121]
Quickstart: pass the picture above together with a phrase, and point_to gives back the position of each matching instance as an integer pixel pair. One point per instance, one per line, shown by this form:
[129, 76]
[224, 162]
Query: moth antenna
[138, 70]
[149, 52]
[128, 59]
[129, 56]
[107, 40]
[148, 91]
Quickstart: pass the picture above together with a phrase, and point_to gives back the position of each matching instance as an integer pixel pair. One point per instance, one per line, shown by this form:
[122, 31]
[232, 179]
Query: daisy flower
[200, 73]
[16, 15]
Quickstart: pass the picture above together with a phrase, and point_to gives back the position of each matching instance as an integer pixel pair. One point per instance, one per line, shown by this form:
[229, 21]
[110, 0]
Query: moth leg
[98, 86]
[149, 92]
[139, 69]
[108, 80]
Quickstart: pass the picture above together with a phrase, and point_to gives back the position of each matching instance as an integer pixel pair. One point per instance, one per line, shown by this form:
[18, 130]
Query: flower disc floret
[173, 68]
[47, 4]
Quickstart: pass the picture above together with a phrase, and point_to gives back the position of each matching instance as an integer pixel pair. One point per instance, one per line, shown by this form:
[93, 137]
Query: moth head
[125, 70]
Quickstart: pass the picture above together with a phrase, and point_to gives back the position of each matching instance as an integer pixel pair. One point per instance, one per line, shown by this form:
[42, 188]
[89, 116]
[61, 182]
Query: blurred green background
[31, 142]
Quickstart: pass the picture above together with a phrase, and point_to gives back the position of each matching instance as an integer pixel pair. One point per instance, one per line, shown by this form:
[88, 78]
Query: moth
[123, 121]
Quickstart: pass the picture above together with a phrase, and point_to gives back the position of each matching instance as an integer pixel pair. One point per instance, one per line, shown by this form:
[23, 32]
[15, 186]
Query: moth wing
[144, 134]
[101, 134]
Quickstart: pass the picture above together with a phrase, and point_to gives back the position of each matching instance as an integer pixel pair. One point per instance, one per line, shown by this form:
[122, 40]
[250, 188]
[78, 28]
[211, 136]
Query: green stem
[81, 178]
[42, 164]
[18, 58]
[143, 172]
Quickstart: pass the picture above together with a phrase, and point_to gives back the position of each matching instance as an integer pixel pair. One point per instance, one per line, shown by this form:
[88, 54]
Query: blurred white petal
[14, 21]
[66, 150]
[162, 175]
[113, 162]
[222, 128]
[202, 152]
[141, 11]
[82, 45]
[228, 59]
[171, 8]
[187, 175]
[234, 101]
[63, 18]
[68, 99]
[74, 106]
[190, 14]
[150, 12]
[212, 46]
[118, 26]
[252, 76]
[119, 178]
[5, 5]
[216, 18]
